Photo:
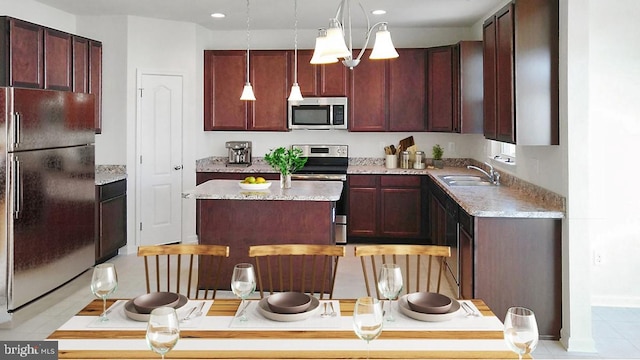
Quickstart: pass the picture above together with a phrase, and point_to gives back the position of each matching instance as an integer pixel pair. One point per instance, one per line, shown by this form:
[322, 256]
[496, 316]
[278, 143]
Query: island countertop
[299, 191]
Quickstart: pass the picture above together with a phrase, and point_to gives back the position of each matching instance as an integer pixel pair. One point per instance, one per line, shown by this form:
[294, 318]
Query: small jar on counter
[404, 160]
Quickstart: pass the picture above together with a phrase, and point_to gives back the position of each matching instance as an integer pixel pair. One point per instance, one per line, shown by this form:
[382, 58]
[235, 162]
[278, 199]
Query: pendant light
[295, 95]
[247, 91]
[321, 43]
[334, 45]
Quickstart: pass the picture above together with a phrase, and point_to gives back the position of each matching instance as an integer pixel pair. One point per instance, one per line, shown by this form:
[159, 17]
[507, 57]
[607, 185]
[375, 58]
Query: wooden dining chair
[297, 267]
[411, 258]
[164, 268]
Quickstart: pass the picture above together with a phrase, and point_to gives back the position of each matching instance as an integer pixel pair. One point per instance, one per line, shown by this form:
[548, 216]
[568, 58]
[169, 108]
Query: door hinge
[140, 159]
[140, 89]
[141, 226]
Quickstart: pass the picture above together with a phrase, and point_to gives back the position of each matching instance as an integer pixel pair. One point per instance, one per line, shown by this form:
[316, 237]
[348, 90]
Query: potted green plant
[286, 161]
[437, 152]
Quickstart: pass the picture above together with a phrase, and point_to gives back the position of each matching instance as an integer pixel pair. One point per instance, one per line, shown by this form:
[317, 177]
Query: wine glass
[520, 330]
[390, 284]
[163, 330]
[243, 283]
[103, 283]
[367, 319]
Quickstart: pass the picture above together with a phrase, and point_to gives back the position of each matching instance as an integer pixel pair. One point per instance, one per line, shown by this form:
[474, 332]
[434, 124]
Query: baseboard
[193, 239]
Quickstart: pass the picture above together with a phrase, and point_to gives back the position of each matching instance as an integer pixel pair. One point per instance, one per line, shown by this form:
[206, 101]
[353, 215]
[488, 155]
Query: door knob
[178, 167]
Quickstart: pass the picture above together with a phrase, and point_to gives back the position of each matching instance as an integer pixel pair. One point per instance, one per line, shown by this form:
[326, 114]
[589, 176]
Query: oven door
[341, 205]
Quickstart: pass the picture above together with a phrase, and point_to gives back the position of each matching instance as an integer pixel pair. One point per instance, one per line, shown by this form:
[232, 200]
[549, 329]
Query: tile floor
[616, 330]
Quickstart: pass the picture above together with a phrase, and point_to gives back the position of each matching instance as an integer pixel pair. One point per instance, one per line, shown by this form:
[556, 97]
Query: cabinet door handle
[178, 167]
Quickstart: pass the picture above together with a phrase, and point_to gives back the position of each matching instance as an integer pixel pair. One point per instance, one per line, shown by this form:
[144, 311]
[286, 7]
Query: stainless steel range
[328, 163]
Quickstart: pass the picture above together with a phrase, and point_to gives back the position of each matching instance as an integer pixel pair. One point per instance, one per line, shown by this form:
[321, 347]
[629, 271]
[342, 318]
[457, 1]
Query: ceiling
[279, 14]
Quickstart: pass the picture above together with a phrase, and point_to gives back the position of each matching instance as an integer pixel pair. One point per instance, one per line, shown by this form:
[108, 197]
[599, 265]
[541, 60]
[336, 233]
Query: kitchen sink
[465, 180]
[461, 178]
[468, 183]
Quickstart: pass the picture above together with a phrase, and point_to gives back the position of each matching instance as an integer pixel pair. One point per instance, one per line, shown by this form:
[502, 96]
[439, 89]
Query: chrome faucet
[494, 176]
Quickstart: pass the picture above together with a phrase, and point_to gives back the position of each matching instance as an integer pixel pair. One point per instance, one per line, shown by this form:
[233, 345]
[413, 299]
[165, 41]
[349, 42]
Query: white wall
[111, 144]
[37, 13]
[614, 129]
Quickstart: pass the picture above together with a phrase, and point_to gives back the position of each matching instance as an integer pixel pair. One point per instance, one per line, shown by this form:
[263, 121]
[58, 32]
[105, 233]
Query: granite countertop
[517, 200]
[514, 198]
[106, 174]
[299, 191]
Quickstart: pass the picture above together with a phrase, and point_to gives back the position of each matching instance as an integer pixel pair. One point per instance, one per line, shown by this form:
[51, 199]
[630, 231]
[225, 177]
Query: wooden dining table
[219, 335]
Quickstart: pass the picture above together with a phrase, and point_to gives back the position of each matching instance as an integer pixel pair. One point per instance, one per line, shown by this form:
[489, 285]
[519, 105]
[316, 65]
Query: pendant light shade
[383, 47]
[321, 42]
[247, 91]
[335, 45]
[295, 95]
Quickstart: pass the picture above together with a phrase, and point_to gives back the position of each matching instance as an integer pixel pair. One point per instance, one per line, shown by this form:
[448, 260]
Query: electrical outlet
[452, 147]
[597, 258]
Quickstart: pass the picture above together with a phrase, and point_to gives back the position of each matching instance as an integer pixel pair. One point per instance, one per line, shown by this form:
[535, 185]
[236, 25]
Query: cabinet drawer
[362, 180]
[399, 181]
[465, 221]
[111, 190]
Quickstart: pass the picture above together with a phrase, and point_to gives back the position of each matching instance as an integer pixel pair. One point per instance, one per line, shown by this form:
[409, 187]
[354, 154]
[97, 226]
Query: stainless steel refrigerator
[47, 192]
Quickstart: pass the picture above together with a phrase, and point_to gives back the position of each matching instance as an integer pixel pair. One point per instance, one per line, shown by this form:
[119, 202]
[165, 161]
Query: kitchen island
[230, 215]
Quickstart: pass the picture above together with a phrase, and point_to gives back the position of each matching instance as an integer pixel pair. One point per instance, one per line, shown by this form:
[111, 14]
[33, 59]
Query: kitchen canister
[391, 161]
[419, 160]
[404, 159]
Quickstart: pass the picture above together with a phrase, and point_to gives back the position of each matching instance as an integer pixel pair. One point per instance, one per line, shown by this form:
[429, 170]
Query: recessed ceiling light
[379, 12]
[218, 15]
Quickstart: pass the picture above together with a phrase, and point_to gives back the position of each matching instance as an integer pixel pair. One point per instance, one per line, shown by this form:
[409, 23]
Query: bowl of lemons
[254, 183]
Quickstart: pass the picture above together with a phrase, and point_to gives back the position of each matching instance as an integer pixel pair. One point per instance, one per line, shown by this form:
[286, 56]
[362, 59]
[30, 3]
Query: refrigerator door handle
[17, 192]
[16, 129]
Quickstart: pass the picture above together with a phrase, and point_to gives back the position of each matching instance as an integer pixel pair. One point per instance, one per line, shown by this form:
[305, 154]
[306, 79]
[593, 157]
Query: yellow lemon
[260, 180]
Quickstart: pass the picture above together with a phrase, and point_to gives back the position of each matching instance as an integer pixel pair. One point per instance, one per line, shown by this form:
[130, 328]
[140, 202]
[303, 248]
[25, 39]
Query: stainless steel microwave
[318, 113]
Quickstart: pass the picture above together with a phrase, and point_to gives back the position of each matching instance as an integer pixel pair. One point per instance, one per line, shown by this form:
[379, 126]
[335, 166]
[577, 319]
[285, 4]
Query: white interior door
[160, 159]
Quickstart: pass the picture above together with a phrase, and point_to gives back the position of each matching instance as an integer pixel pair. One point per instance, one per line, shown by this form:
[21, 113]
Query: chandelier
[331, 43]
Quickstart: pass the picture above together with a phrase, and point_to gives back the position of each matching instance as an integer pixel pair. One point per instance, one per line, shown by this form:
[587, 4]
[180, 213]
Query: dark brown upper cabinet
[368, 96]
[407, 91]
[389, 95]
[95, 79]
[58, 64]
[269, 77]
[318, 80]
[440, 80]
[80, 64]
[21, 54]
[454, 88]
[521, 73]
[224, 77]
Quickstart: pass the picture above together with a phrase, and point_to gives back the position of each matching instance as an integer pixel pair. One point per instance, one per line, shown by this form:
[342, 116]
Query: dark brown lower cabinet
[385, 208]
[503, 261]
[517, 262]
[111, 219]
